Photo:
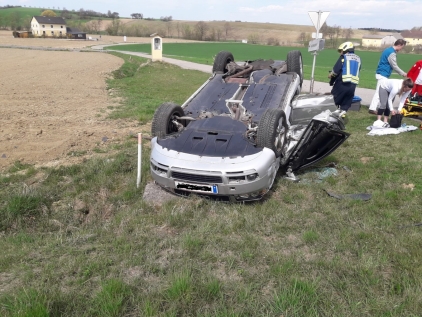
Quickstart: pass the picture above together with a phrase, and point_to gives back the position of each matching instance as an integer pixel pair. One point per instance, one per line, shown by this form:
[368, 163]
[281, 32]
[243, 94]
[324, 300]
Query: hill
[262, 33]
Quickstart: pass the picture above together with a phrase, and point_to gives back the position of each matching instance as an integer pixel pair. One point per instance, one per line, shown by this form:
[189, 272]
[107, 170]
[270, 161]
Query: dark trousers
[384, 109]
[343, 94]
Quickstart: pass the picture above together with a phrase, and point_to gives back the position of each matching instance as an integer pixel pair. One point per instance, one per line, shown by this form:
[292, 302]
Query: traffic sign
[316, 45]
[319, 35]
[318, 18]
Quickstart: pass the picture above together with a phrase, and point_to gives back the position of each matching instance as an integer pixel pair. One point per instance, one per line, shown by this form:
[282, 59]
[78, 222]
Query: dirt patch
[6, 39]
[54, 106]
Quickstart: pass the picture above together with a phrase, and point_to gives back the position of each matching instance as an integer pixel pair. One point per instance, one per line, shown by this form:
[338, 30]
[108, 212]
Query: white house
[374, 40]
[48, 26]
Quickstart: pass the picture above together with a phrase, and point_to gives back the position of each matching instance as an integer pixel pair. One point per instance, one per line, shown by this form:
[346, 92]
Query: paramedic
[388, 90]
[386, 65]
[345, 77]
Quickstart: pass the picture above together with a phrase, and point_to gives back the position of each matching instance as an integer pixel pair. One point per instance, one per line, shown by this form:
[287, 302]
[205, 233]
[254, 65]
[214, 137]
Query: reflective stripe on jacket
[351, 67]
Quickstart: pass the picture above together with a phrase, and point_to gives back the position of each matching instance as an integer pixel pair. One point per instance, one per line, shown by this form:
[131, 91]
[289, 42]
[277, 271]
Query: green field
[204, 53]
[4, 13]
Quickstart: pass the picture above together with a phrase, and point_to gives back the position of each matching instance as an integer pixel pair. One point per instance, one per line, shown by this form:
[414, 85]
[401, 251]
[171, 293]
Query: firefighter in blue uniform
[345, 77]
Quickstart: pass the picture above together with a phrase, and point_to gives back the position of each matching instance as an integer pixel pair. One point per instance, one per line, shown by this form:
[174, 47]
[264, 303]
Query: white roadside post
[318, 18]
[138, 179]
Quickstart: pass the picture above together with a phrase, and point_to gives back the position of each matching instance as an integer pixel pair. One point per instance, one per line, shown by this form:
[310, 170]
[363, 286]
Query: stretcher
[412, 108]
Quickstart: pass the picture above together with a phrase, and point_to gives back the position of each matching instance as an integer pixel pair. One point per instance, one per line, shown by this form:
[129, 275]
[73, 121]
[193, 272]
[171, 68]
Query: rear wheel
[165, 121]
[272, 131]
[295, 64]
[220, 62]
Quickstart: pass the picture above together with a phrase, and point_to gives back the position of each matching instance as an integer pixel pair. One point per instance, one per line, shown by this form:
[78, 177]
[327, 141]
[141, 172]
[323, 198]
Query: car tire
[220, 62]
[162, 122]
[295, 64]
[272, 131]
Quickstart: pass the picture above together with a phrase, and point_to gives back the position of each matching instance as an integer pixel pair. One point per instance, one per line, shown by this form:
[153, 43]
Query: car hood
[217, 136]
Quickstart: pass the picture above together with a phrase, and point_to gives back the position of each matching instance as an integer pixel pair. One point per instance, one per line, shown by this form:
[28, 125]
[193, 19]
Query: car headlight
[251, 177]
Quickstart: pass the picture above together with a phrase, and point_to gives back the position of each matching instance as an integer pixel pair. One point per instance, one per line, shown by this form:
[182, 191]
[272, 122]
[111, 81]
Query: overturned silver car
[248, 120]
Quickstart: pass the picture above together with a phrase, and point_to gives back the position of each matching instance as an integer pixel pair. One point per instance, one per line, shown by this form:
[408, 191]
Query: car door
[321, 137]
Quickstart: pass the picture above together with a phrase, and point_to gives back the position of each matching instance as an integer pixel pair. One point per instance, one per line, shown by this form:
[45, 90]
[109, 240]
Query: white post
[318, 19]
[311, 86]
[138, 180]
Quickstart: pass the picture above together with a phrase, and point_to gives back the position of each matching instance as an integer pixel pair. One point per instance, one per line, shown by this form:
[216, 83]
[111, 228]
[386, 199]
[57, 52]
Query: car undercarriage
[233, 134]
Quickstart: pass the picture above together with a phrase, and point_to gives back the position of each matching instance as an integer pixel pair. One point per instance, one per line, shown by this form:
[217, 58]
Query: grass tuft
[26, 303]
[111, 299]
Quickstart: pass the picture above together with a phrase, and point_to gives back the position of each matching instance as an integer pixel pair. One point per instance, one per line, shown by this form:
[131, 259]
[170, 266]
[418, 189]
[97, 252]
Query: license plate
[208, 189]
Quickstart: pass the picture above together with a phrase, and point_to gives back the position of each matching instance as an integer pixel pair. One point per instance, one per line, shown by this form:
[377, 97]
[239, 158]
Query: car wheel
[164, 119]
[272, 131]
[295, 64]
[220, 62]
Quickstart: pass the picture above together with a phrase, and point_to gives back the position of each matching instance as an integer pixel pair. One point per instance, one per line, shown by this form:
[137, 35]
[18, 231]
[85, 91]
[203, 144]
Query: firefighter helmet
[345, 47]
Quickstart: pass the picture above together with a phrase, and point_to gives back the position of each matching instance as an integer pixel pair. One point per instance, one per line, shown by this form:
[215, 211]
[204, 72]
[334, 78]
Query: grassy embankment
[204, 53]
[80, 241]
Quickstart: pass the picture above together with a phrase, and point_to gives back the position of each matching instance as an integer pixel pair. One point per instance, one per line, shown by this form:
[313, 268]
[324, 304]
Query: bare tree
[96, 26]
[169, 27]
[219, 34]
[187, 32]
[348, 33]
[227, 29]
[201, 30]
[253, 38]
[178, 29]
[212, 35]
[324, 29]
[330, 33]
[302, 37]
[114, 28]
[81, 13]
[337, 31]
[273, 41]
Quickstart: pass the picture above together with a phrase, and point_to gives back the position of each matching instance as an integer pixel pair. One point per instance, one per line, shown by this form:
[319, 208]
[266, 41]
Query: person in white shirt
[386, 65]
[388, 90]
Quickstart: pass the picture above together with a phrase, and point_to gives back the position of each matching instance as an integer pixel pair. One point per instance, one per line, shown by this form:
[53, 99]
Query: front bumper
[227, 178]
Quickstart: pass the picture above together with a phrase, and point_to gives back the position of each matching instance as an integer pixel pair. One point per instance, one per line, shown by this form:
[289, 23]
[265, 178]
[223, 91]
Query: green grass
[20, 17]
[160, 83]
[23, 12]
[204, 53]
[80, 241]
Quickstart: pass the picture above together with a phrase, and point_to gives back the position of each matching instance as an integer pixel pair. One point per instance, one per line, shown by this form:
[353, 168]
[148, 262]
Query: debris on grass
[408, 186]
[361, 196]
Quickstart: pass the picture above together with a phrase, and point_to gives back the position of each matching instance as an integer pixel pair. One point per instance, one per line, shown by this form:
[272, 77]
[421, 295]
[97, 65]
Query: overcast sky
[394, 14]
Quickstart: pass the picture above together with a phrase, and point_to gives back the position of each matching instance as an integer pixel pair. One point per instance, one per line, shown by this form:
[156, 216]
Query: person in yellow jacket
[345, 77]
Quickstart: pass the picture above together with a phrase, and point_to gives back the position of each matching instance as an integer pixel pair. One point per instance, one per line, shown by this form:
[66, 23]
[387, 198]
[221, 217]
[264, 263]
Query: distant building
[74, 33]
[48, 26]
[374, 40]
[412, 37]
[21, 34]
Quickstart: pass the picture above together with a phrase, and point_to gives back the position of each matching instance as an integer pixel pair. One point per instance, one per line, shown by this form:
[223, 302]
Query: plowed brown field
[54, 104]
